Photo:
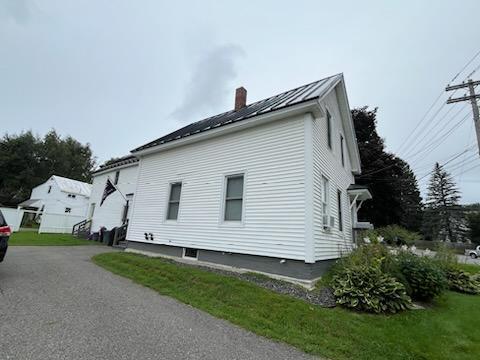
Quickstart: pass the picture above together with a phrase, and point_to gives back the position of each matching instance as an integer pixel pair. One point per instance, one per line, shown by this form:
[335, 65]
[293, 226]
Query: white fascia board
[101, 172]
[351, 138]
[308, 106]
[345, 108]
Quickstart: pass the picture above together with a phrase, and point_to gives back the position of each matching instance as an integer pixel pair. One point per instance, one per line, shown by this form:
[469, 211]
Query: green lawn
[449, 330]
[470, 268]
[28, 238]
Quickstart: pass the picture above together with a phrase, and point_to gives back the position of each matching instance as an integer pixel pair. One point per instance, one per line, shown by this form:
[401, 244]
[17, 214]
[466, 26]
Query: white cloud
[17, 10]
[210, 82]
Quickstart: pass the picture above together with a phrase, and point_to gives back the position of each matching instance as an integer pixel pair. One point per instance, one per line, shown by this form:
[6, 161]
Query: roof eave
[307, 106]
[114, 168]
[346, 112]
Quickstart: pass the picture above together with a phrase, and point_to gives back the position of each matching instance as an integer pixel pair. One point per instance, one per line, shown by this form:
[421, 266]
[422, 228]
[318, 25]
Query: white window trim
[326, 201]
[221, 220]
[167, 202]
[189, 257]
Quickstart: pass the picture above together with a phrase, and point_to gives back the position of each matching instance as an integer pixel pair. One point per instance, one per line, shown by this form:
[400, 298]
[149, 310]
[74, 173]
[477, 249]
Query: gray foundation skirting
[295, 269]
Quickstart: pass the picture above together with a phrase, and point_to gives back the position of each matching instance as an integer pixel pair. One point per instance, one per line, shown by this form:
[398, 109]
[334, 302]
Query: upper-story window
[325, 196]
[341, 150]
[68, 210]
[174, 201]
[329, 129]
[340, 210]
[234, 198]
[49, 189]
[73, 196]
[117, 175]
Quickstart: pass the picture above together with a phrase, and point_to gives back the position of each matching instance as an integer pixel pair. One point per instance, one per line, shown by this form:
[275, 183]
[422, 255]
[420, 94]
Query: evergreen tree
[443, 217]
[396, 197]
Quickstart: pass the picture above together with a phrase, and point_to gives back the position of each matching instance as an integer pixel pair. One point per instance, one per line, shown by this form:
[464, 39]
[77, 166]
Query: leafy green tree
[27, 160]
[443, 217]
[396, 197]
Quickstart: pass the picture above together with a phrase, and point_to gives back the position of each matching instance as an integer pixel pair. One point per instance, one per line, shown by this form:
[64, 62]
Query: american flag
[109, 189]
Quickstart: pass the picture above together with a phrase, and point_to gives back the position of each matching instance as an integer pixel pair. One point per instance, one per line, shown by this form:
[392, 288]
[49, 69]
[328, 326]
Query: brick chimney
[240, 98]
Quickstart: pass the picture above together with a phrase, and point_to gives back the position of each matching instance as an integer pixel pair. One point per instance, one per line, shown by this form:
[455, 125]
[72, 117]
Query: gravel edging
[323, 297]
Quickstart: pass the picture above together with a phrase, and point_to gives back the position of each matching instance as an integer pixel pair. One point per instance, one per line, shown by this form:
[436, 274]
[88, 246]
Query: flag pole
[115, 186]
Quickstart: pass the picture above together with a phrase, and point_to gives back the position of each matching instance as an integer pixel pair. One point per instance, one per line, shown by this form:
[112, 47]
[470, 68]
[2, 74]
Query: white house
[58, 203]
[116, 208]
[266, 186]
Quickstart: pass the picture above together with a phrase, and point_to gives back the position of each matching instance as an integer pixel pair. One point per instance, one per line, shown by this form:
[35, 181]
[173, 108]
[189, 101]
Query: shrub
[397, 235]
[460, 281]
[446, 257]
[367, 288]
[424, 276]
[392, 235]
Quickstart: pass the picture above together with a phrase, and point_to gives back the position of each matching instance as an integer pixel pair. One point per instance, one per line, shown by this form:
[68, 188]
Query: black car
[5, 233]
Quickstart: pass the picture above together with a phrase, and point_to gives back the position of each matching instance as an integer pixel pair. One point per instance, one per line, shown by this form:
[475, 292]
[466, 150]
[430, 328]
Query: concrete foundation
[294, 269]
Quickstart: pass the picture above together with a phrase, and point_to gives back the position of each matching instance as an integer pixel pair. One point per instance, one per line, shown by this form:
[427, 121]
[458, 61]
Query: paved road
[56, 304]
[461, 258]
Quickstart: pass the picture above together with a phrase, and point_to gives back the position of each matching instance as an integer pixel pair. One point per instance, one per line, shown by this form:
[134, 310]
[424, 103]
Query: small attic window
[73, 196]
[329, 129]
[117, 175]
[49, 189]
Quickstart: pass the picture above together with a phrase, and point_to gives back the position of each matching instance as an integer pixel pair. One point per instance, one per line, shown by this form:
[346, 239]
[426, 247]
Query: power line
[433, 105]
[440, 130]
[466, 65]
[432, 145]
[448, 160]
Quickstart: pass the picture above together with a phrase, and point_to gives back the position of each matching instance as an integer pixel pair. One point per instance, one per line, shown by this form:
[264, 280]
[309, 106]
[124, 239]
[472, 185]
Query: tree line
[27, 160]
[396, 195]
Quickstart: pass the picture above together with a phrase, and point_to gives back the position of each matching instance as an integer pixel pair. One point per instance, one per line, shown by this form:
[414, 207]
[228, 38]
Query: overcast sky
[117, 74]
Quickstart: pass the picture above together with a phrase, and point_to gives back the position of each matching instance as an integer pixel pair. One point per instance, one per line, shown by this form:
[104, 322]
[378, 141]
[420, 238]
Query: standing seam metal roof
[292, 97]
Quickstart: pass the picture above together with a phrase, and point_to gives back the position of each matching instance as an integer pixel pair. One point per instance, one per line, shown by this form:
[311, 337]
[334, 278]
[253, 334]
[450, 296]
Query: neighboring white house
[58, 203]
[266, 186]
[116, 208]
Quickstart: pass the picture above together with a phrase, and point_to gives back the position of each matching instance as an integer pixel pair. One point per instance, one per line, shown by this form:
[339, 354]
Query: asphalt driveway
[56, 304]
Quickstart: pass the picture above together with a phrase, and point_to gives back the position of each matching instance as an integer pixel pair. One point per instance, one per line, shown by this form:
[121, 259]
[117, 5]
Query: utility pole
[470, 84]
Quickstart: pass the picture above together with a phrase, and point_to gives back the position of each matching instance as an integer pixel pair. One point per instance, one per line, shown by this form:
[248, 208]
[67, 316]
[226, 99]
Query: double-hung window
[325, 196]
[340, 210]
[329, 129]
[341, 150]
[233, 198]
[174, 201]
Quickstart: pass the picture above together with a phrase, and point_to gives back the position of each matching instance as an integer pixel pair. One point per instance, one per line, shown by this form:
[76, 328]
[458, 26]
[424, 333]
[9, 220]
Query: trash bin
[111, 236]
[105, 237]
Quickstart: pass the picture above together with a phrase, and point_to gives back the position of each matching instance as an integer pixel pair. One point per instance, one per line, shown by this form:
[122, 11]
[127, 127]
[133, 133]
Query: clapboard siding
[329, 244]
[272, 158]
[110, 213]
